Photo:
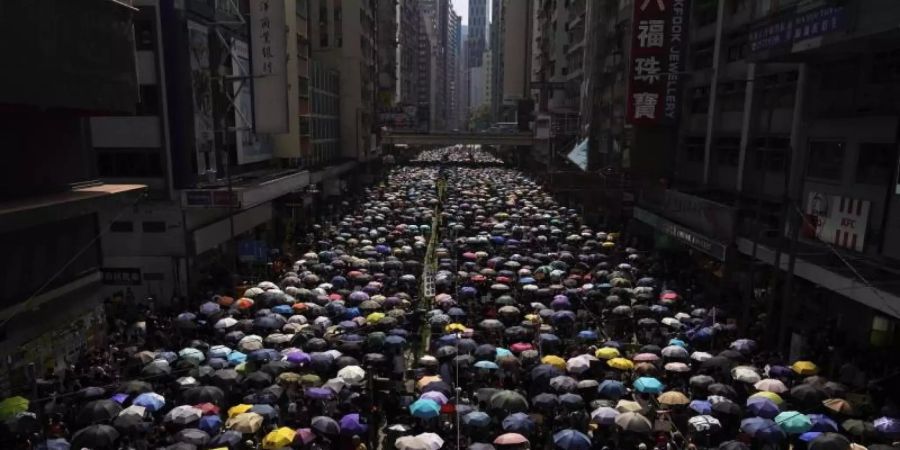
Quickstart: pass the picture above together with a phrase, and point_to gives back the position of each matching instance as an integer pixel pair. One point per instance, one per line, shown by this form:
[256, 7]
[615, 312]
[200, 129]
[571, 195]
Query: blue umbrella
[394, 341]
[604, 415]
[228, 439]
[648, 385]
[58, 444]
[611, 389]
[489, 365]
[152, 401]
[235, 358]
[285, 310]
[319, 393]
[678, 342]
[518, 423]
[763, 429]
[545, 401]
[501, 352]
[267, 411]
[424, 408]
[264, 355]
[351, 424]
[809, 436]
[211, 424]
[587, 335]
[218, 351]
[186, 317]
[702, 407]
[476, 419]
[209, 308]
[762, 407]
[823, 423]
[571, 440]
[169, 357]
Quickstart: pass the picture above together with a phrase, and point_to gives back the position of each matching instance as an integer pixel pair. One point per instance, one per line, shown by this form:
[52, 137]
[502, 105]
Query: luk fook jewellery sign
[656, 63]
[840, 221]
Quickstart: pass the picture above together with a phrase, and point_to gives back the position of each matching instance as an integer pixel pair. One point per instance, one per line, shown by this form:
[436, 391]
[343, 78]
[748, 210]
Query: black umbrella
[225, 377]
[275, 368]
[192, 436]
[95, 437]
[229, 439]
[718, 362]
[722, 389]
[99, 411]
[733, 445]
[204, 394]
[438, 386]
[485, 394]
[830, 441]
[726, 408]
[325, 426]
[135, 387]
[92, 393]
[130, 423]
[545, 401]
[808, 395]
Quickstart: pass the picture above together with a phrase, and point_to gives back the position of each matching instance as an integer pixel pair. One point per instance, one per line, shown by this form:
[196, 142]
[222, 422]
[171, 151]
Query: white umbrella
[183, 415]
[675, 351]
[433, 441]
[133, 410]
[579, 364]
[411, 443]
[704, 423]
[352, 374]
[250, 343]
[700, 356]
[225, 323]
[747, 374]
[671, 322]
[187, 382]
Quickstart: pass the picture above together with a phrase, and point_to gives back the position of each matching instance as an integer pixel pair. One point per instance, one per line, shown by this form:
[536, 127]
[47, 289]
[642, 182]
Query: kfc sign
[656, 62]
[840, 221]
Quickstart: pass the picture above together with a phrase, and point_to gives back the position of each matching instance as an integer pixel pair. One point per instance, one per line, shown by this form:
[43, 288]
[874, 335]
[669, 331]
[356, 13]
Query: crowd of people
[457, 154]
[530, 330]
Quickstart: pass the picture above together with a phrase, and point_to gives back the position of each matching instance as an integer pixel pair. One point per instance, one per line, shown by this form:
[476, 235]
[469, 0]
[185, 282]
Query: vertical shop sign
[268, 53]
[656, 62]
[201, 89]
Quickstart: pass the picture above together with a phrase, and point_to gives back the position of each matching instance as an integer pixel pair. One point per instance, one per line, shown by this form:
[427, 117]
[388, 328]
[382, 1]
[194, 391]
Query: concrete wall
[516, 46]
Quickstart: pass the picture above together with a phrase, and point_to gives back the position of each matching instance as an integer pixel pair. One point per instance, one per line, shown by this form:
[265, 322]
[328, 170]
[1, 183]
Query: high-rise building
[454, 44]
[463, 79]
[496, 49]
[478, 32]
[516, 28]
[426, 65]
[386, 55]
[344, 39]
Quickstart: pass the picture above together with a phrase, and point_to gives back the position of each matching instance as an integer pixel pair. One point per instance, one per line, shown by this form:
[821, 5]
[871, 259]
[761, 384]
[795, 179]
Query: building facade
[454, 91]
[478, 32]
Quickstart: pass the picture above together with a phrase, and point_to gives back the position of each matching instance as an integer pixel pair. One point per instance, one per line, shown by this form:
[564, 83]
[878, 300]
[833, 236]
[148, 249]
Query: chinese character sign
[656, 62]
[268, 59]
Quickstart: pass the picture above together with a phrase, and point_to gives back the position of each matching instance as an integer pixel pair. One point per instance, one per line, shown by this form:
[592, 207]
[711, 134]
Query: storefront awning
[687, 236]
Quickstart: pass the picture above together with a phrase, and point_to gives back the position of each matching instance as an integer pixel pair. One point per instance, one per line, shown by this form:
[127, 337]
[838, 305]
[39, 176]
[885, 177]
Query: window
[728, 150]
[154, 226]
[737, 50]
[876, 163]
[770, 153]
[882, 331]
[695, 148]
[826, 158]
[121, 227]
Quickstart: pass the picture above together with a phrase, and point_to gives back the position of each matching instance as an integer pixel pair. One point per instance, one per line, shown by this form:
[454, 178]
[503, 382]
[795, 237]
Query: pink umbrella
[520, 347]
[510, 439]
[645, 357]
[305, 436]
[436, 396]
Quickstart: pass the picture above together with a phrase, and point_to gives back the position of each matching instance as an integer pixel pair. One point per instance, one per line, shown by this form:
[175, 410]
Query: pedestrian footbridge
[448, 138]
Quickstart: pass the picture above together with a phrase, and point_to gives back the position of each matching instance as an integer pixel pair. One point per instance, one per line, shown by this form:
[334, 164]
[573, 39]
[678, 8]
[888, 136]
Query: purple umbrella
[298, 357]
[119, 398]
[823, 423]
[319, 393]
[888, 426]
[436, 396]
[702, 407]
[350, 424]
[762, 407]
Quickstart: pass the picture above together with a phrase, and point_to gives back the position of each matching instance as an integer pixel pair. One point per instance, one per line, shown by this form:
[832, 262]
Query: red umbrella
[207, 408]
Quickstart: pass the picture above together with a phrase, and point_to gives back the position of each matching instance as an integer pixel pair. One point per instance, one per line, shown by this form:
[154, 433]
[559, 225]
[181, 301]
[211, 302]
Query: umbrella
[425, 409]
[648, 385]
[858, 428]
[510, 439]
[704, 423]
[607, 353]
[805, 368]
[771, 385]
[411, 443]
[476, 419]
[830, 441]
[604, 415]
[822, 423]
[571, 440]
[95, 437]
[672, 398]
[204, 394]
[762, 429]
[352, 374]
[746, 374]
[793, 422]
[278, 438]
[887, 426]
[229, 438]
[325, 425]
[99, 411]
[352, 424]
[210, 424]
[266, 411]
[183, 415]
[839, 406]
[150, 400]
[192, 436]
[431, 440]
[545, 401]
[246, 422]
[633, 421]
[563, 383]
[762, 407]
[510, 401]
[612, 389]
[702, 407]
[518, 423]
[435, 396]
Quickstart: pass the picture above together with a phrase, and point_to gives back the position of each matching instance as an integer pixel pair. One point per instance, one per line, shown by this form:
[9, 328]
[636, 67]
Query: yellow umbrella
[289, 378]
[238, 409]
[532, 318]
[771, 396]
[554, 361]
[241, 368]
[673, 398]
[375, 317]
[13, 405]
[247, 422]
[620, 363]
[608, 244]
[455, 327]
[282, 437]
[607, 353]
[625, 406]
[425, 380]
[805, 368]
[310, 379]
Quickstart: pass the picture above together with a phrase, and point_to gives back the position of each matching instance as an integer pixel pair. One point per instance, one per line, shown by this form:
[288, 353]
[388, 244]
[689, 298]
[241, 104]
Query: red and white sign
[840, 221]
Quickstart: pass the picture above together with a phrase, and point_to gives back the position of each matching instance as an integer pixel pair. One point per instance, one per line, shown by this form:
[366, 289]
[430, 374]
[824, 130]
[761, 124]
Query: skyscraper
[477, 32]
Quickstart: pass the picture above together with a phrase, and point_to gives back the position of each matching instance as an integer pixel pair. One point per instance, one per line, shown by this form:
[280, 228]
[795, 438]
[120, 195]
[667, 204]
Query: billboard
[250, 148]
[840, 221]
[268, 50]
[781, 32]
[657, 61]
[579, 155]
[201, 90]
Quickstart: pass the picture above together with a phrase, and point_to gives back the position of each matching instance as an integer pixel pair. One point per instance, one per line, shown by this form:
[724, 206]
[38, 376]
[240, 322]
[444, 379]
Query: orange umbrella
[244, 303]
[299, 306]
[839, 405]
[226, 301]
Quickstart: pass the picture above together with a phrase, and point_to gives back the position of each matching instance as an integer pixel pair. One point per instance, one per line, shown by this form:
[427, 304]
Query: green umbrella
[509, 401]
[12, 406]
[793, 422]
